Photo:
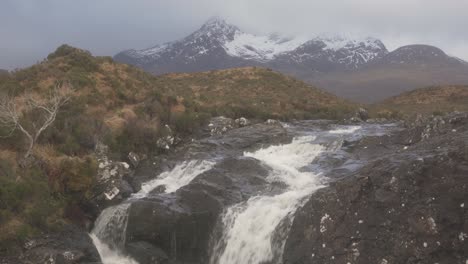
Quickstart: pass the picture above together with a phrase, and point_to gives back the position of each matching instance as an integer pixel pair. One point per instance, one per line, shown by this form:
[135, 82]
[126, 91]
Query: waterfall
[109, 231]
[249, 228]
[111, 227]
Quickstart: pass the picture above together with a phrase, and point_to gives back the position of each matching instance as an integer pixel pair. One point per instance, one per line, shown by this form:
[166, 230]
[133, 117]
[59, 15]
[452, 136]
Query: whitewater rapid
[250, 227]
[109, 232]
[250, 232]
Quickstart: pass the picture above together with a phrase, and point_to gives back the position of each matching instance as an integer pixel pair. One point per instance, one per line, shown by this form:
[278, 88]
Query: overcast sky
[30, 29]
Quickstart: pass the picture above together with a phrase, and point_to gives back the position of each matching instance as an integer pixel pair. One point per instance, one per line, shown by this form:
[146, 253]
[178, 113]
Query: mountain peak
[215, 20]
[217, 28]
[216, 23]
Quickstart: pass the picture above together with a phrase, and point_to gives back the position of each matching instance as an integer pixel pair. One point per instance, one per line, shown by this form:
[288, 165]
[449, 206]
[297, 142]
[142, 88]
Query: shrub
[137, 135]
[78, 174]
[187, 122]
[79, 78]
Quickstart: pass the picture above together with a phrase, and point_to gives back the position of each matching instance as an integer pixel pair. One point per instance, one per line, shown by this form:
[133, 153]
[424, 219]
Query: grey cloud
[31, 29]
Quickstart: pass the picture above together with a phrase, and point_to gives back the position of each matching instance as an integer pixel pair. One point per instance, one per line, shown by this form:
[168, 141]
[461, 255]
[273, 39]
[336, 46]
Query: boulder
[112, 186]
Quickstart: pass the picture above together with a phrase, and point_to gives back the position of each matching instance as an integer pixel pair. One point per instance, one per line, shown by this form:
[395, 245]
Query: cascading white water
[109, 231]
[345, 130]
[181, 175]
[249, 227]
[111, 227]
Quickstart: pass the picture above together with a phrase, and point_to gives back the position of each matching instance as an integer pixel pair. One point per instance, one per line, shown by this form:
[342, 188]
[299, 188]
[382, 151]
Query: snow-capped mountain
[218, 44]
[360, 69]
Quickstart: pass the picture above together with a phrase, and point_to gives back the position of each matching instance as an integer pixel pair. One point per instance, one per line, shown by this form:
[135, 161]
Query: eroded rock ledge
[408, 205]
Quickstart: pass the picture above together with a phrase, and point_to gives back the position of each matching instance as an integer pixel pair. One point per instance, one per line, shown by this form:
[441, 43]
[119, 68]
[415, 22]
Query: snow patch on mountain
[153, 51]
[261, 48]
[336, 43]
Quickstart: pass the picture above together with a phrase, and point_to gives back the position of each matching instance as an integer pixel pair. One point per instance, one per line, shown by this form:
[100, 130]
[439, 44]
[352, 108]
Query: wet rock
[168, 140]
[405, 206]
[134, 159]
[125, 189]
[242, 122]
[220, 125]
[362, 114]
[111, 185]
[144, 252]
[69, 246]
[181, 223]
[253, 136]
[272, 122]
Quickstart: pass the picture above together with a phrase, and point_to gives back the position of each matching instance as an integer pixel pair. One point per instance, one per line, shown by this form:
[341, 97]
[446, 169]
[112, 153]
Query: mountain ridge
[362, 69]
[217, 38]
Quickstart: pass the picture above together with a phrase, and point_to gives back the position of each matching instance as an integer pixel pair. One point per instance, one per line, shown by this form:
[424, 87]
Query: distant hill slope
[254, 92]
[361, 69]
[402, 70]
[431, 100]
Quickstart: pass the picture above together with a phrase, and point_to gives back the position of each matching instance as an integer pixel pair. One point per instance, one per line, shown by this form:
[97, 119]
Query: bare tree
[47, 108]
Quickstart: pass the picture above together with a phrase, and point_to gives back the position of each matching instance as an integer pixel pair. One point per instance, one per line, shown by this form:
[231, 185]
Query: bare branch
[8, 114]
[10, 118]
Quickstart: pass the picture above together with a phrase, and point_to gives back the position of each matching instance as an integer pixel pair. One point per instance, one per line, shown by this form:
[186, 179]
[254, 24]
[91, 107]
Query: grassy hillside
[127, 110]
[429, 100]
[255, 92]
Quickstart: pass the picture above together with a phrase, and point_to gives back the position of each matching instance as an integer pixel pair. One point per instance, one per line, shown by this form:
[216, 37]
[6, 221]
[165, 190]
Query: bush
[73, 132]
[79, 78]
[78, 174]
[187, 123]
[137, 135]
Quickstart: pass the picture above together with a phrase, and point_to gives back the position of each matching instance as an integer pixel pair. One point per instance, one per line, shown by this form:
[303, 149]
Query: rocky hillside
[430, 100]
[113, 114]
[359, 69]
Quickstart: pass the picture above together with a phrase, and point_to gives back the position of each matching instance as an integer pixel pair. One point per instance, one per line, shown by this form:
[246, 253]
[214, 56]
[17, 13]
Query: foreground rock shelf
[406, 206]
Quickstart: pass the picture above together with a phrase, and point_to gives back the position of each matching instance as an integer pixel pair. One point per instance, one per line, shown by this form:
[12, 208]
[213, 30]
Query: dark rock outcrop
[408, 205]
[180, 224]
[70, 246]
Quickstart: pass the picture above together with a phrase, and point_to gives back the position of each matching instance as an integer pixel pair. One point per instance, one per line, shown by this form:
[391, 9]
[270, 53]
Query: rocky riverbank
[388, 194]
[408, 205]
